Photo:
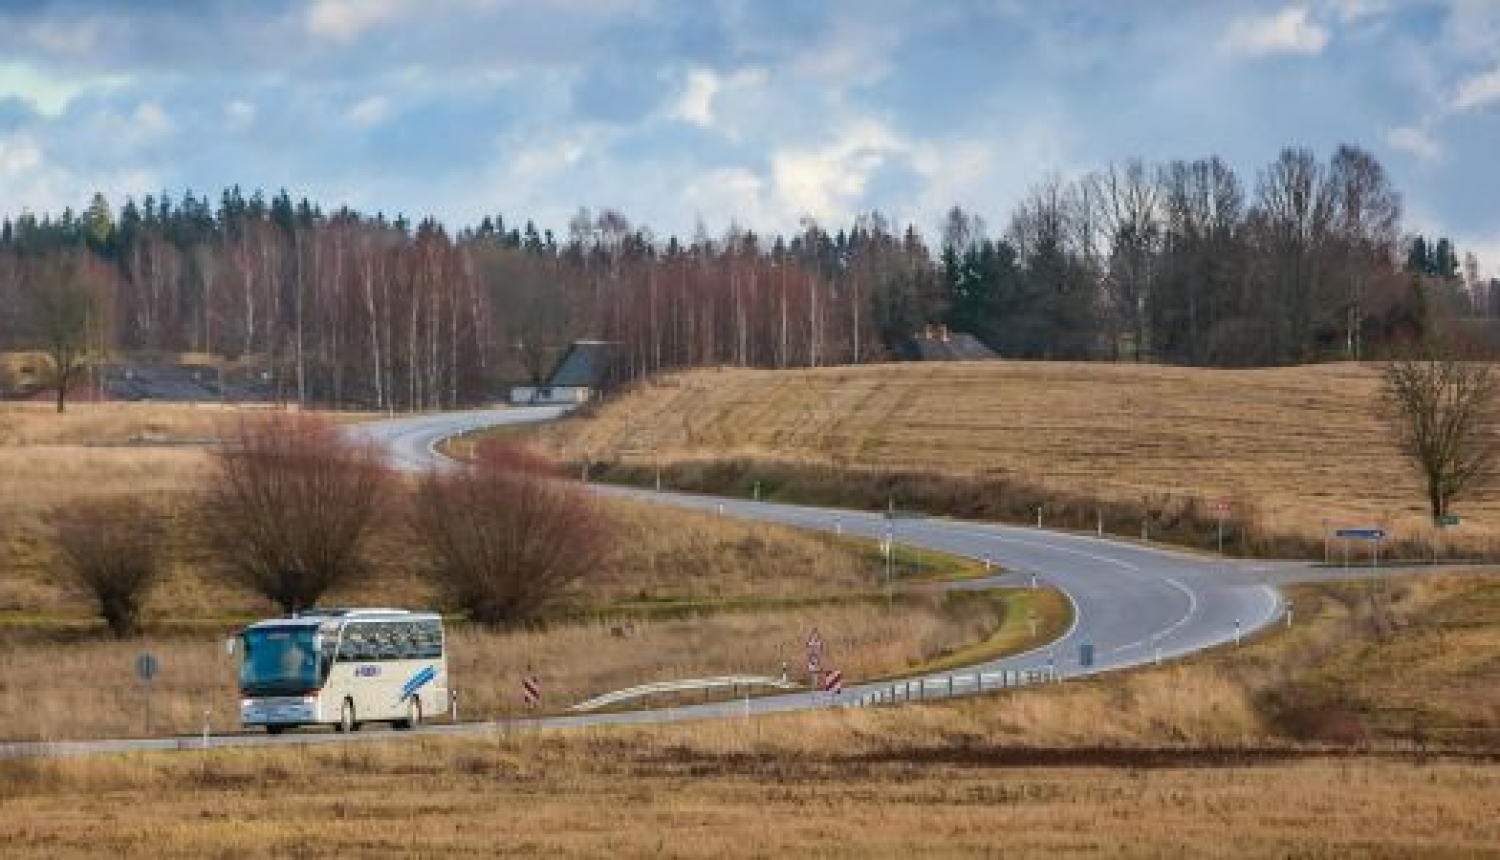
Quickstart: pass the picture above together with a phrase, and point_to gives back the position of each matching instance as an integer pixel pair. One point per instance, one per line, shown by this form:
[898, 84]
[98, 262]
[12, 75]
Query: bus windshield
[279, 661]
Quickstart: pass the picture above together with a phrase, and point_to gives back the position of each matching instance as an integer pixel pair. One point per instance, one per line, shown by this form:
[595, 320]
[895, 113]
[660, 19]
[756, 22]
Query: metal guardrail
[731, 682]
[956, 684]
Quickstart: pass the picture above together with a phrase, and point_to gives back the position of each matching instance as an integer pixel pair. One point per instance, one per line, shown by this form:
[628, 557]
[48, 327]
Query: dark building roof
[586, 364]
[180, 383]
[937, 343]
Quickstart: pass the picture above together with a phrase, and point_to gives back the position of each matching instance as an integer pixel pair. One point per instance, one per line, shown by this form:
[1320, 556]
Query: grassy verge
[461, 447]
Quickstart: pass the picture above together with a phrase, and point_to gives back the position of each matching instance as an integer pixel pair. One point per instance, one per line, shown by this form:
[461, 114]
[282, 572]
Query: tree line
[1182, 262]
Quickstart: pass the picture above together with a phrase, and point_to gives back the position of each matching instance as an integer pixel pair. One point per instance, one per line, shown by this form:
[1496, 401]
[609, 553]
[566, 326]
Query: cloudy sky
[760, 112]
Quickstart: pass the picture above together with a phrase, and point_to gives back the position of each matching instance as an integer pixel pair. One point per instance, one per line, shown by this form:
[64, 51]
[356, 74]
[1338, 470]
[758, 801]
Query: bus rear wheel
[413, 714]
[275, 730]
[347, 723]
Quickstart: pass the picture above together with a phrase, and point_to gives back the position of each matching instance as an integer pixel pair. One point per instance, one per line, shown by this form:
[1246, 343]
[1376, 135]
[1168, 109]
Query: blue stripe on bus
[418, 681]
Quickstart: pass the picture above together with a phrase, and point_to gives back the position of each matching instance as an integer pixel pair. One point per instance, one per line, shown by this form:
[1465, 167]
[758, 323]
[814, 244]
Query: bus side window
[401, 642]
[428, 639]
[387, 642]
[358, 644]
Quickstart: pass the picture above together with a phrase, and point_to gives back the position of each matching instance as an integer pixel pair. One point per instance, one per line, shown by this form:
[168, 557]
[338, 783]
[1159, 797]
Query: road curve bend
[1134, 604]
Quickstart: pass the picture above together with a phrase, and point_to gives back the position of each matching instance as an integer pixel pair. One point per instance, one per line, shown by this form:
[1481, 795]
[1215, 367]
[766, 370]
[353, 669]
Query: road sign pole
[1221, 533]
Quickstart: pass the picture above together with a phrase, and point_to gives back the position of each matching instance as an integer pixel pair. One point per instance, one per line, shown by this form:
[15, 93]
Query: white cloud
[343, 20]
[827, 182]
[369, 110]
[700, 97]
[1478, 91]
[239, 115]
[1290, 31]
[148, 123]
[152, 121]
[696, 104]
[1414, 141]
[18, 155]
[29, 181]
[50, 93]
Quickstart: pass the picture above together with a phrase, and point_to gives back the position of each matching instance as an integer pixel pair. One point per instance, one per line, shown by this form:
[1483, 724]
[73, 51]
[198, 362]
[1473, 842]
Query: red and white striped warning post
[531, 691]
[833, 682]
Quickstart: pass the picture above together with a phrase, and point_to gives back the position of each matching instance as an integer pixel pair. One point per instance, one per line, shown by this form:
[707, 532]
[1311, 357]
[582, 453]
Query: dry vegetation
[1293, 447]
[1190, 759]
[112, 423]
[60, 686]
[798, 787]
[706, 595]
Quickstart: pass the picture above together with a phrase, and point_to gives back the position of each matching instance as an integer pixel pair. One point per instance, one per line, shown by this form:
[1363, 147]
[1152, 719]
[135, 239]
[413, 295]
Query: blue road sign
[1361, 533]
[146, 666]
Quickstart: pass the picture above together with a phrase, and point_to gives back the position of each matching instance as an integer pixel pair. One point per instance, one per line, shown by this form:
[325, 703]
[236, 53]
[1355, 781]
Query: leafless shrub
[506, 534]
[112, 548]
[290, 505]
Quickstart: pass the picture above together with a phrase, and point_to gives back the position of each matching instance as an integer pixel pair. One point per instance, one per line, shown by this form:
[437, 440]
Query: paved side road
[1133, 604]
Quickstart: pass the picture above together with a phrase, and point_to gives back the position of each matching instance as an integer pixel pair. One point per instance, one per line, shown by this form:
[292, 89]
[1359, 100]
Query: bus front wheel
[347, 722]
[275, 729]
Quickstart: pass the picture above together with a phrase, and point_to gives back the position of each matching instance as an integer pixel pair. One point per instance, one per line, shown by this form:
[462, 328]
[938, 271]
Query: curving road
[1133, 604]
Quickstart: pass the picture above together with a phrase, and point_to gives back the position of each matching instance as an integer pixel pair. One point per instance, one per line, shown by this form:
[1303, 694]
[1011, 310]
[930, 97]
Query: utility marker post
[888, 549]
[1038, 516]
[1221, 509]
[146, 668]
[1098, 523]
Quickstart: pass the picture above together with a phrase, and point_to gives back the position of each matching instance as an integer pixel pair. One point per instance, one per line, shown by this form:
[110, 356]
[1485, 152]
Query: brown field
[84, 423]
[59, 686]
[738, 792]
[1292, 447]
[706, 595]
[1197, 758]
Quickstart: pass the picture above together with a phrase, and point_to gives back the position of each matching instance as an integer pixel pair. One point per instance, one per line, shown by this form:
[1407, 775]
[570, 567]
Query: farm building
[585, 370]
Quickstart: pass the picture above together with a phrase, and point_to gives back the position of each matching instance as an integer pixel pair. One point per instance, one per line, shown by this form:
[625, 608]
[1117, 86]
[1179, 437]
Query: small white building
[546, 395]
[582, 372]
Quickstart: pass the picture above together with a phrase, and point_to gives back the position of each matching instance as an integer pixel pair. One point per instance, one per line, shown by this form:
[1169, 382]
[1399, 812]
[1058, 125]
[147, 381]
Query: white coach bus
[343, 667]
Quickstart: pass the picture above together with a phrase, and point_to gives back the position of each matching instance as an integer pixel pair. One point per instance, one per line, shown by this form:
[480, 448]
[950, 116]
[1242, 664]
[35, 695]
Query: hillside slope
[1301, 447]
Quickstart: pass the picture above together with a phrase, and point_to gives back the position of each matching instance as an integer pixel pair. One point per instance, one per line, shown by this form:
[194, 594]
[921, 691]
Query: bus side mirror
[229, 647]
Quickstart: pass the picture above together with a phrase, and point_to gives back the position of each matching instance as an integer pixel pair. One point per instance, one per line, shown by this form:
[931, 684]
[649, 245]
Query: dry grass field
[706, 595]
[1196, 758]
[746, 790]
[58, 687]
[1292, 447]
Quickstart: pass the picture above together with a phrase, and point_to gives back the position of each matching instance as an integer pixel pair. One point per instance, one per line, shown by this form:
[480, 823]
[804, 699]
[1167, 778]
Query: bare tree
[290, 506]
[61, 305]
[112, 548]
[1441, 409]
[506, 535]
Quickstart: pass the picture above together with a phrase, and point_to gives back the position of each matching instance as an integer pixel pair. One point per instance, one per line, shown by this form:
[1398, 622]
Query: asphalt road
[1134, 604]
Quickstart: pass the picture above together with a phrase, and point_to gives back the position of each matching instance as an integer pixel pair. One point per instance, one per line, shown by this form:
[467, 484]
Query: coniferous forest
[1185, 262]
